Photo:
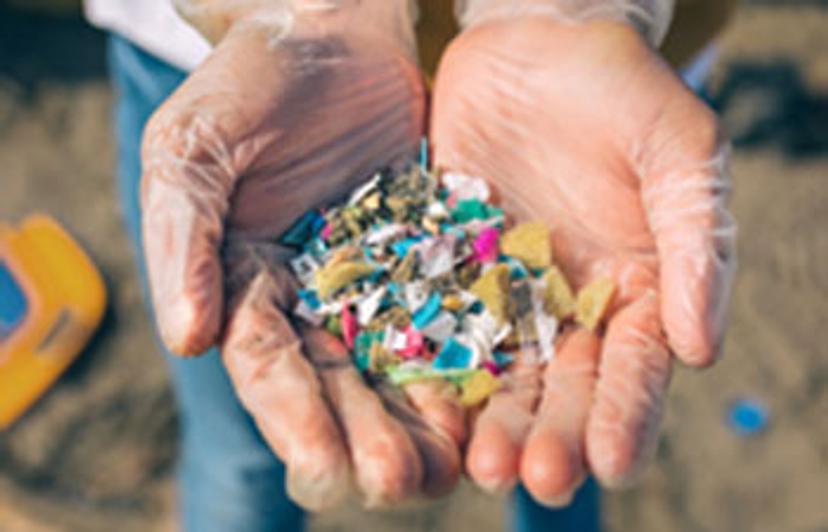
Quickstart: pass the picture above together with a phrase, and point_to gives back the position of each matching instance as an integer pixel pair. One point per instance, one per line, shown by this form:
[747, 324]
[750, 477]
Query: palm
[568, 122]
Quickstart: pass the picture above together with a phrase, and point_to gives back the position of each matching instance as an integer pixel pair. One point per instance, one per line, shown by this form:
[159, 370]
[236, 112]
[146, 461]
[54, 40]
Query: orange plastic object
[53, 299]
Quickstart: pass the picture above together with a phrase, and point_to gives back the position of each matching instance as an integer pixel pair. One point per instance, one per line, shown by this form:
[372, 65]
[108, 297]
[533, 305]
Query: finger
[280, 388]
[182, 231]
[439, 451]
[633, 375]
[498, 433]
[685, 192]
[553, 461]
[190, 164]
[386, 462]
[439, 405]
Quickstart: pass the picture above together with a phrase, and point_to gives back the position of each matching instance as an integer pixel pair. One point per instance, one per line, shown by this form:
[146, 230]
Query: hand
[289, 113]
[585, 127]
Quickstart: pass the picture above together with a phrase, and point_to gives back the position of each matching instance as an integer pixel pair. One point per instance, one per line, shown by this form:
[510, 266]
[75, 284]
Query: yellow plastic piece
[530, 243]
[593, 302]
[66, 299]
[333, 277]
[560, 300]
[478, 388]
[492, 288]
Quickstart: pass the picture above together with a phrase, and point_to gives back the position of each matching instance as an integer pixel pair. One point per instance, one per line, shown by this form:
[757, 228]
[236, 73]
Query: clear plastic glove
[299, 102]
[585, 127]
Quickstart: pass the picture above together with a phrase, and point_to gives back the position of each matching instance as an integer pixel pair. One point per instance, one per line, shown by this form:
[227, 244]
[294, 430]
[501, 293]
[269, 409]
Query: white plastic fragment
[465, 187]
[368, 306]
[486, 327]
[546, 325]
[304, 311]
[394, 339]
[437, 255]
[436, 209]
[416, 294]
[479, 347]
[364, 190]
[440, 328]
[385, 234]
[304, 266]
[330, 308]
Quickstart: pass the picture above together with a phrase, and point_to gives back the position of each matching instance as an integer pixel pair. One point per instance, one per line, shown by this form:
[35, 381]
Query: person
[564, 105]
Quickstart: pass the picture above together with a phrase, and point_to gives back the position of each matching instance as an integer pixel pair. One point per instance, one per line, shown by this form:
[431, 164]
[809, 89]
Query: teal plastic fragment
[517, 270]
[428, 311]
[364, 341]
[468, 210]
[316, 247]
[474, 209]
[453, 354]
[362, 361]
[502, 359]
[302, 230]
[401, 247]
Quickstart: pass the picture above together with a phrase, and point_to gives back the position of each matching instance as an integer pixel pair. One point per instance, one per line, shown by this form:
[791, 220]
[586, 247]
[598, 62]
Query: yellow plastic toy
[52, 298]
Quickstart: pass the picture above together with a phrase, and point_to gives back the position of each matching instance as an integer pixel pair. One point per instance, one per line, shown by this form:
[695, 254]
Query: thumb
[184, 200]
[192, 152]
[685, 190]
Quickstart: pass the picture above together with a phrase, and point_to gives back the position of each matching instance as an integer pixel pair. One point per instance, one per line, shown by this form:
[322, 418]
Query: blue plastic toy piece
[13, 304]
[748, 417]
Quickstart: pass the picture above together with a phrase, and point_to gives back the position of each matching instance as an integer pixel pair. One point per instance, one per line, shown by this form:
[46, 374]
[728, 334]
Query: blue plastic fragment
[318, 223]
[748, 417]
[428, 311]
[451, 229]
[401, 247]
[452, 355]
[424, 154]
[517, 270]
[13, 303]
[502, 359]
[310, 297]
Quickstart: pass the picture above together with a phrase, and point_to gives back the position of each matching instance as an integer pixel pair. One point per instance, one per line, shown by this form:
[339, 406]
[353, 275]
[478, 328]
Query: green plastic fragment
[468, 210]
[400, 376]
[334, 325]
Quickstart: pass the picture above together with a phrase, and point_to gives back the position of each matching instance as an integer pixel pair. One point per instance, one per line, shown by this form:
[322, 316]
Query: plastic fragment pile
[421, 279]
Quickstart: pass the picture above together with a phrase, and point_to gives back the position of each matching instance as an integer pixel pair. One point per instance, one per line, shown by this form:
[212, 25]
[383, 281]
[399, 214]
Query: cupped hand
[585, 127]
[274, 123]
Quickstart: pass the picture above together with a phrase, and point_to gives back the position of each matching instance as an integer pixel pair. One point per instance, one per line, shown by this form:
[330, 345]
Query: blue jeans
[229, 480]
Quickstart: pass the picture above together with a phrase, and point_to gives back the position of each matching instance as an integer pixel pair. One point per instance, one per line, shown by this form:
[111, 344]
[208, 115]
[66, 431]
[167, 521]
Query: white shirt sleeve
[154, 26]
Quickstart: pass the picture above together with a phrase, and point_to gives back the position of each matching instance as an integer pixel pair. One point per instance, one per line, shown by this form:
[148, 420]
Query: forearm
[651, 17]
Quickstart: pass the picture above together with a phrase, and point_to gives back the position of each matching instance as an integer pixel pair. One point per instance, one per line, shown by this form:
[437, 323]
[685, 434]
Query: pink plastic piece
[485, 246]
[350, 327]
[414, 345]
[492, 367]
[326, 231]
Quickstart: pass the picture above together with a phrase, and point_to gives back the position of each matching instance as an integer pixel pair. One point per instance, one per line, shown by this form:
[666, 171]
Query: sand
[97, 452]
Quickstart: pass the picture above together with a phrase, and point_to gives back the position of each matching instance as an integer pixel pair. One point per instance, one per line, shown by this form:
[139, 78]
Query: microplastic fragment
[530, 243]
[593, 301]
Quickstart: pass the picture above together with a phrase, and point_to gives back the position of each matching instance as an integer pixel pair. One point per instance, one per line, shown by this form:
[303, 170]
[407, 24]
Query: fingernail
[496, 487]
[560, 501]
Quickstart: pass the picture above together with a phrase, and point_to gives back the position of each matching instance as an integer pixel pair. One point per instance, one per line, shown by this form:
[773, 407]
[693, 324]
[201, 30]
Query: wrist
[383, 20]
[651, 18]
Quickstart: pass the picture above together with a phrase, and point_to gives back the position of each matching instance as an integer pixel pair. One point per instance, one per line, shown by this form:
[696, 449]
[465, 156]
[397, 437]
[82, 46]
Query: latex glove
[299, 102]
[585, 127]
